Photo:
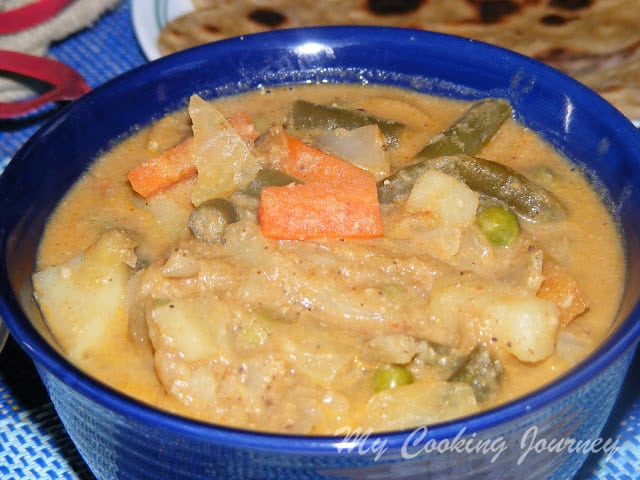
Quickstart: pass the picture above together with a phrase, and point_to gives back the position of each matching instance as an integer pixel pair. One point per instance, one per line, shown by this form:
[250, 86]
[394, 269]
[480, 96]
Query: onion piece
[364, 147]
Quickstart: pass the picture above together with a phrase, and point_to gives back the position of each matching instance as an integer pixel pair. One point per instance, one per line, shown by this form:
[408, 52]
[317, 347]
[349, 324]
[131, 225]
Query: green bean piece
[499, 224]
[391, 376]
[499, 182]
[268, 177]
[482, 371]
[308, 115]
[471, 131]
[443, 360]
[468, 134]
[210, 219]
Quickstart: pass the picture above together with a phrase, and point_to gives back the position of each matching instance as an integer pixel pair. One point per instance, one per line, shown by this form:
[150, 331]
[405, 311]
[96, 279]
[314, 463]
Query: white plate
[149, 16]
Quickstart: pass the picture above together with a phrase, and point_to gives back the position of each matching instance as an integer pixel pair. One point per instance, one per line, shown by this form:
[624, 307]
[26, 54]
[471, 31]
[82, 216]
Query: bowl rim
[624, 338]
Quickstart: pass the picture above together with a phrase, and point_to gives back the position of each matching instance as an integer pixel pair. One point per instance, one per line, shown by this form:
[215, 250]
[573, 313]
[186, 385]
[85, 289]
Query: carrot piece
[338, 200]
[243, 124]
[320, 210]
[310, 164]
[561, 288]
[176, 164]
[161, 172]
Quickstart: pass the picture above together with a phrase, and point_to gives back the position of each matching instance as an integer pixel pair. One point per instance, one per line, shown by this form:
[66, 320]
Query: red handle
[66, 82]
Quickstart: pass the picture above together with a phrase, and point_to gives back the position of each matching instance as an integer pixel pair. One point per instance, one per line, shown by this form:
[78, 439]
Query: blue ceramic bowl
[122, 438]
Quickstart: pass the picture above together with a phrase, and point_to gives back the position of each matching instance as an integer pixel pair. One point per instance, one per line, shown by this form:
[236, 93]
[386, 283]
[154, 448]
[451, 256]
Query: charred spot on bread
[267, 17]
[495, 11]
[393, 7]
[570, 4]
[553, 20]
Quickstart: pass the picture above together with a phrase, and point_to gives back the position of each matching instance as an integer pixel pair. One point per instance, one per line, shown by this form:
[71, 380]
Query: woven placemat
[98, 53]
[33, 443]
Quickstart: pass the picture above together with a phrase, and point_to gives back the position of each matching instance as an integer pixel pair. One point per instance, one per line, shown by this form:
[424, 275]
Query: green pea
[499, 224]
[391, 376]
[209, 220]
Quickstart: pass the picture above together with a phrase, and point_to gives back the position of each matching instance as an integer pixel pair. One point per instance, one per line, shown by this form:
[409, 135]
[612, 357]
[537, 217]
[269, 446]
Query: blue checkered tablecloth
[33, 443]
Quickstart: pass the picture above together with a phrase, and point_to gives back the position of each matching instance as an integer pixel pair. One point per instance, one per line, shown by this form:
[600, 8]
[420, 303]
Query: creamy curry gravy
[287, 335]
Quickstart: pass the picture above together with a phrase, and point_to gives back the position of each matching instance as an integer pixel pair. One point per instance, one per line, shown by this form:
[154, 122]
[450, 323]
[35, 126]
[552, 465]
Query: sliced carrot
[243, 124]
[320, 210]
[561, 288]
[337, 200]
[177, 163]
[161, 172]
[310, 164]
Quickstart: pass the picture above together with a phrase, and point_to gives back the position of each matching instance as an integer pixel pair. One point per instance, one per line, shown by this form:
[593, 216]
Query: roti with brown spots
[596, 42]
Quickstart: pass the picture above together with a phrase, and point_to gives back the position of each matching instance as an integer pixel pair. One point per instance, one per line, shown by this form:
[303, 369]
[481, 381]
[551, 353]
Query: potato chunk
[196, 328]
[526, 326]
[515, 320]
[82, 298]
[445, 196]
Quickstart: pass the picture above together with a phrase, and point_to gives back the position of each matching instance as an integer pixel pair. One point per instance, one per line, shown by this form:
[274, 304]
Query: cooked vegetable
[391, 376]
[243, 124]
[320, 210]
[184, 325]
[482, 371]
[317, 356]
[224, 161]
[444, 196]
[498, 181]
[526, 326]
[493, 179]
[499, 224]
[467, 135]
[560, 288]
[161, 172]
[417, 404]
[471, 131]
[308, 115]
[179, 162]
[310, 164]
[339, 200]
[209, 220]
[81, 298]
[443, 359]
[365, 147]
[268, 177]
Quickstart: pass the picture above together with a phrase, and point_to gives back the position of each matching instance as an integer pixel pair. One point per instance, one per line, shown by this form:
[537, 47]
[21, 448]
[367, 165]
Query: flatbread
[596, 42]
